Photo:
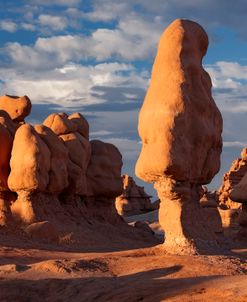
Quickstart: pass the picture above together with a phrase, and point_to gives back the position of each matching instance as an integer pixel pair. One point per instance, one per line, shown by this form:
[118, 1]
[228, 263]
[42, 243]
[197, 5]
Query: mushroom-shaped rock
[104, 170]
[181, 146]
[17, 107]
[59, 123]
[58, 173]
[30, 161]
[81, 123]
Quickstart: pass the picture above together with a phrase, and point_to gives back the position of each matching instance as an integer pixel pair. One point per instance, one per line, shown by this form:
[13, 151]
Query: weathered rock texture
[231, 179]
[104, 170]
[56, 186]
[180, 127]
[51, 173]
[133, 200]
[239, 194]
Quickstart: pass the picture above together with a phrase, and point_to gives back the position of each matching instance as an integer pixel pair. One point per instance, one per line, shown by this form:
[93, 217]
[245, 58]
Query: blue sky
[96, 56]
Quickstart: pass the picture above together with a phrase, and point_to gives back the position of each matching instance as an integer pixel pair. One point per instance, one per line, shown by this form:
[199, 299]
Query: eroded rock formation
[180, 127]
[52, 172]
[133, 200]
[231, 179]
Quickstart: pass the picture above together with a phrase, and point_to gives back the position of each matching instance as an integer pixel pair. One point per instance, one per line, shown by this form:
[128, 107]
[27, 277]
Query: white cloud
[234, 144]
[70, 85]
[28, 26]
[230, 86]
[133, 39]
[9, 26]
[56, 23]
[56, 2]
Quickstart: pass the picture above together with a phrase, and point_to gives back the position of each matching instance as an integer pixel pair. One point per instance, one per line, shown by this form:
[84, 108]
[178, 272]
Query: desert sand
[52, 273]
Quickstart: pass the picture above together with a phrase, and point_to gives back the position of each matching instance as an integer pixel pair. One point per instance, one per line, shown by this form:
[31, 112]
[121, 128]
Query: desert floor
[45, 272]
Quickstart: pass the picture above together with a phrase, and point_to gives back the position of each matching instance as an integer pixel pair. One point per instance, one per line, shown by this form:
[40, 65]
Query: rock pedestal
[180, 127]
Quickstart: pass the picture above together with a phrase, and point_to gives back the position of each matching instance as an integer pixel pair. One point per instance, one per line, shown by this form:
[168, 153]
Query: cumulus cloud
[56, 2]
[72, 84]
[9, 26]
[56, 23]
[133, 39]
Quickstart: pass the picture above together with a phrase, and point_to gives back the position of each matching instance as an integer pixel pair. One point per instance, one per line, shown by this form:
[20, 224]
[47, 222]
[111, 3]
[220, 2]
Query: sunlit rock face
[180, 127]
[17, 107]
[52, 165]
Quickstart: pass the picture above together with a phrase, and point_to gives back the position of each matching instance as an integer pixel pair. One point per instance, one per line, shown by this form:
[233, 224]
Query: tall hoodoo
[180, 127]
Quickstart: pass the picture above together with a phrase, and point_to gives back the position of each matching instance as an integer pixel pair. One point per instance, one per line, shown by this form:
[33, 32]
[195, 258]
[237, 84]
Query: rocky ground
[31, 271]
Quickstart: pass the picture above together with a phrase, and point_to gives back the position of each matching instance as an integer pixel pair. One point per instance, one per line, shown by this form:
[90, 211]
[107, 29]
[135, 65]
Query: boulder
[81, 123]
[181, 147]
[30, 161]
[17, 107]
[43, 231]
[59, 123]
[104, 170]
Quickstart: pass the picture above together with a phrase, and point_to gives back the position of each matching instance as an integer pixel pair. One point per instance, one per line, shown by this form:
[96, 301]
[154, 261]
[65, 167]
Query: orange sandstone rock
[30, 161]
[59, 123]
[81, 123]
[104, 170]
[181, 145]
[133, 199]
[234, 179]
[17, 107]
[58, 173]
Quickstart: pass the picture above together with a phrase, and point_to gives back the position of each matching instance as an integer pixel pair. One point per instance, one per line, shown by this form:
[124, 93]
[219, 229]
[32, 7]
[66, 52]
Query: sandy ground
[145, 274]
[117, 264]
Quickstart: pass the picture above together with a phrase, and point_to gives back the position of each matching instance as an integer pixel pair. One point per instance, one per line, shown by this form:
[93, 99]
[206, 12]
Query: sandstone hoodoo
[239, 194]
[180, 127]
[133, 200]
[55, 184]
[231, 179]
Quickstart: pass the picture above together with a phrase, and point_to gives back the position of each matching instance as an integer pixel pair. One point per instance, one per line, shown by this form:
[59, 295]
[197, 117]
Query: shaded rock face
[133, 200]
[51, 163]
[104, 170]
[181, 147]
[234, 178]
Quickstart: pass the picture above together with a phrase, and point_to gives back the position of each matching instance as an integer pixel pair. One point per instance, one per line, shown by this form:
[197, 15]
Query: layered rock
[181, 146]
[133, 200]
[231, 179]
